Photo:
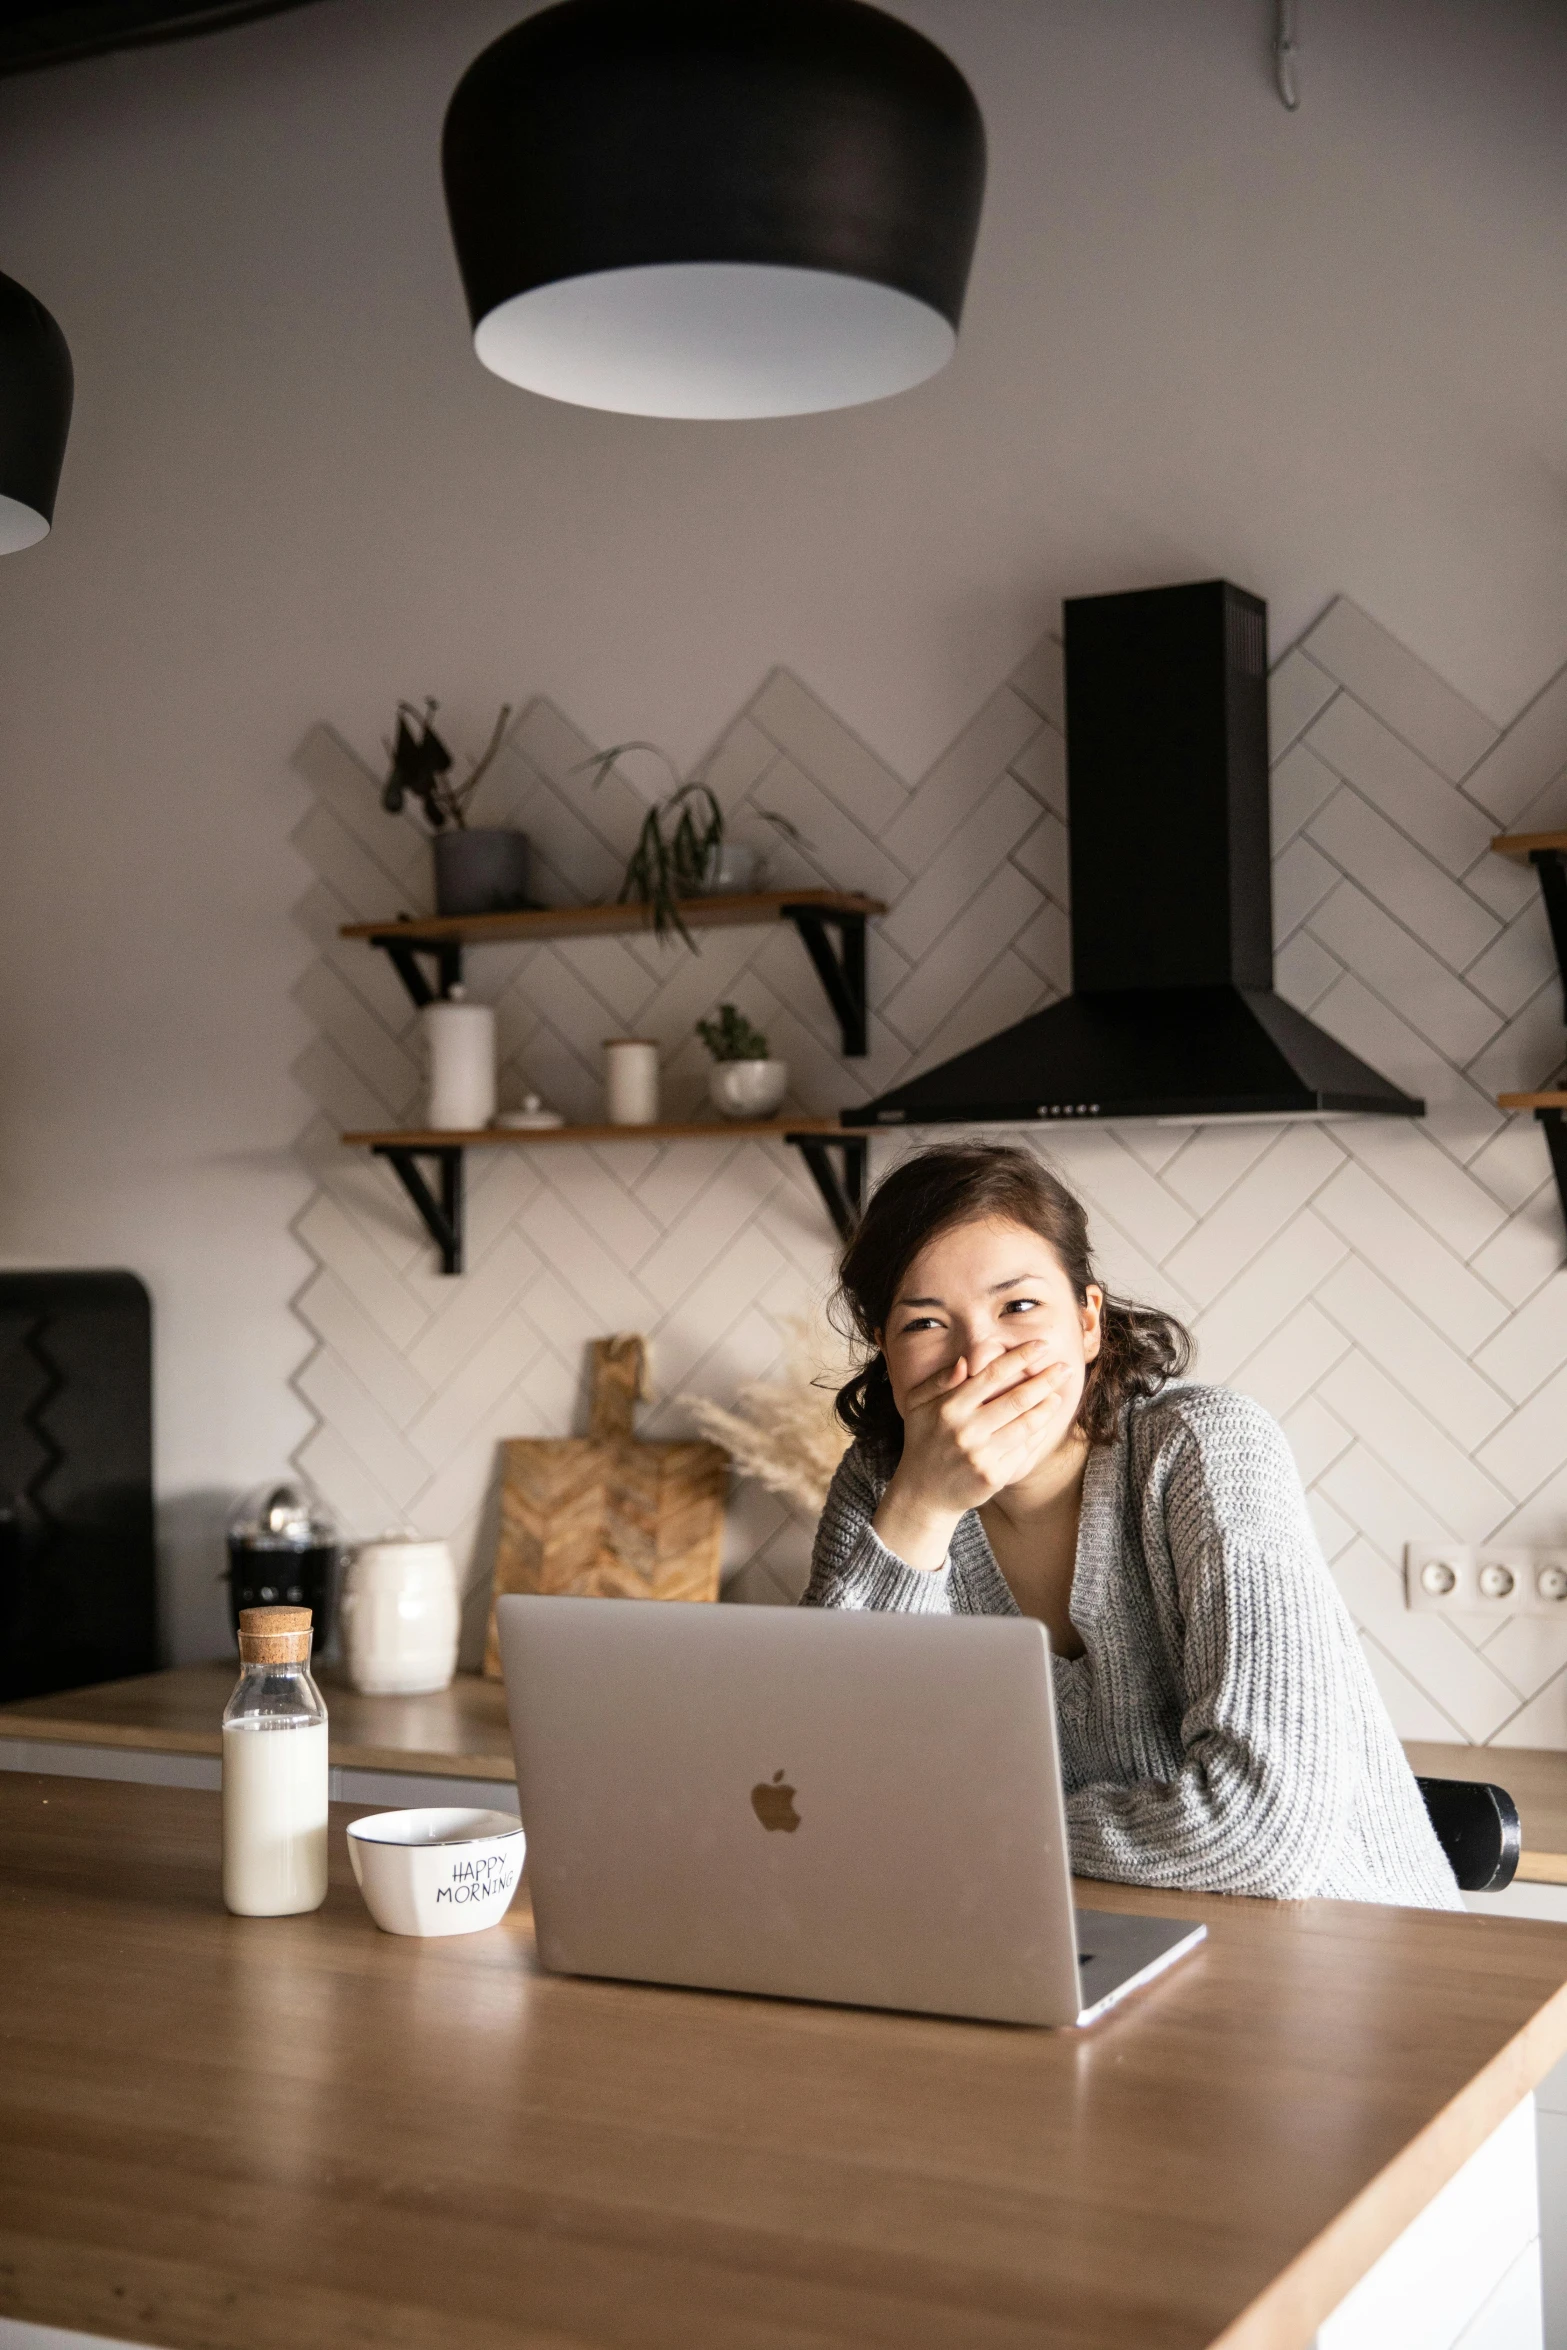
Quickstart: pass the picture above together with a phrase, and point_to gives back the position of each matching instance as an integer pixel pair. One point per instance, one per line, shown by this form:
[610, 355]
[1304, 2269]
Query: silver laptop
[808, 1803]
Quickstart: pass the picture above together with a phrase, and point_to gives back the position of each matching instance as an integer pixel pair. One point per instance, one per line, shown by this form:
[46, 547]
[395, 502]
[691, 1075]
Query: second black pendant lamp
[36, 387]
[714, 208]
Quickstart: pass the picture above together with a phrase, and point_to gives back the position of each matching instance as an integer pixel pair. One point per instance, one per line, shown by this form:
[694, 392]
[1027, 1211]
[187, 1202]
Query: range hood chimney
[1172, 1012]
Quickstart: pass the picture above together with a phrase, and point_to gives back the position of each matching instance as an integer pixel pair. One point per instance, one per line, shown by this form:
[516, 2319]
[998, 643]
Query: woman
[1025, 1444]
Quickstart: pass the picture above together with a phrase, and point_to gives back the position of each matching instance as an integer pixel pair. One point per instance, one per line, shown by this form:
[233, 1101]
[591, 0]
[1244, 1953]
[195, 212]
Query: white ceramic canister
[460, 1043]
[630, 1081]
[399, 1615]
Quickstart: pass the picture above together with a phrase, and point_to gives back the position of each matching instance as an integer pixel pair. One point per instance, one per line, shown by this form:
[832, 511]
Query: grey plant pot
[481, 871]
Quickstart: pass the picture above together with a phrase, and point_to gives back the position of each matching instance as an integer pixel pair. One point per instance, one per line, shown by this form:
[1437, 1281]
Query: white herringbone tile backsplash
[1394, 1292]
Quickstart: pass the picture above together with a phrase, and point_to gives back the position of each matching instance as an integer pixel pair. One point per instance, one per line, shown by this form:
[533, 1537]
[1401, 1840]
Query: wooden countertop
[456, 1733]
[461, 1733]
[244, 2134]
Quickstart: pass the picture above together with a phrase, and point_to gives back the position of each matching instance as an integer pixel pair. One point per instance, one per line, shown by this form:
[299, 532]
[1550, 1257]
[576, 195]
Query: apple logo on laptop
[773, 1804]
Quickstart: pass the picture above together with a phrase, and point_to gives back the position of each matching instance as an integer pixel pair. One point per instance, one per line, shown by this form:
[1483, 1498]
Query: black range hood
[1172, 1012]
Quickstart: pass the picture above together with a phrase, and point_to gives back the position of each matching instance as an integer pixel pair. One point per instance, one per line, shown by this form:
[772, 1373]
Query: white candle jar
[630, 1081]
[400, 1617]
[460, 1041]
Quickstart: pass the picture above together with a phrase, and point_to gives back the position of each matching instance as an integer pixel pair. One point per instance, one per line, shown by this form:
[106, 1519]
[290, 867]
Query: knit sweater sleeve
[1269, 1728]
[852, 1567]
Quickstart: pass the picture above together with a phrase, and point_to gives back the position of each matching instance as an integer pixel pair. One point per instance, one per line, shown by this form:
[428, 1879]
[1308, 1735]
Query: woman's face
[978, 1289]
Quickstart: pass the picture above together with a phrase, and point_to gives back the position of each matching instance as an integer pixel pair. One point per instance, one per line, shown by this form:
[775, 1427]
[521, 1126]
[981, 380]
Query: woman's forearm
[913, 1530]
[1228, 1823]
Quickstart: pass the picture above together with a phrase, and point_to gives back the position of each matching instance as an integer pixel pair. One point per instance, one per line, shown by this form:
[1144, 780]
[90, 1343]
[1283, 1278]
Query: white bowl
[439, 1871]
[748, 1089]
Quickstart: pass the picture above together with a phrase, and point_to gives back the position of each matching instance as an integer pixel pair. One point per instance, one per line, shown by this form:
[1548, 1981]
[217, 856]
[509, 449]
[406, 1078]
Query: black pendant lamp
[35, 415]
[714, 207]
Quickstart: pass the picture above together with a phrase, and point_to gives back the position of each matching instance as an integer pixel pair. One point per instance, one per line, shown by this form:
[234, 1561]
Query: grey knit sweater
[1221, 1731]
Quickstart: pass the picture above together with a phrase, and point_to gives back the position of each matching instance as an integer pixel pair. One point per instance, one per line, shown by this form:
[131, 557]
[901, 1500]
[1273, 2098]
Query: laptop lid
[816, 1804]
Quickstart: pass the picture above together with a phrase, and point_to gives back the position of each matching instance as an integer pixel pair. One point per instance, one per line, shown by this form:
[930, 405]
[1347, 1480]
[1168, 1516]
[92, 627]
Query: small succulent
[422, 765]
[732, 1038]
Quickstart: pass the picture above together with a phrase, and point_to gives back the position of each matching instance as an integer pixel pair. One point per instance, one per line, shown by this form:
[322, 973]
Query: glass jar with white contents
[274, 1771]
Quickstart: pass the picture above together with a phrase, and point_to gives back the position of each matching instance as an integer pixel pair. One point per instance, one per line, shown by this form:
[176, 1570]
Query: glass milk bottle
[274, 1771]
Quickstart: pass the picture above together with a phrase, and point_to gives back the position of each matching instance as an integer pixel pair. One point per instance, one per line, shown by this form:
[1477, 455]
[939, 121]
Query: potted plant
[744, 1081]
[681, 851]
[784, 1432]
[479, 869]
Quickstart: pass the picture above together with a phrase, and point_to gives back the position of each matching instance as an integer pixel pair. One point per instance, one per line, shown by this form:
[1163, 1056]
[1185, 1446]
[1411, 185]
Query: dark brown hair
[1139, 1347]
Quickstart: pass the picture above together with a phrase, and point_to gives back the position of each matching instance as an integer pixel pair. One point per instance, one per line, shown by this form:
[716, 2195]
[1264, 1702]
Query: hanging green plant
[677, 845]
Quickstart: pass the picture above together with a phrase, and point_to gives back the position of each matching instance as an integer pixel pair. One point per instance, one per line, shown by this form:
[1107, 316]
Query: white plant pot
[731, 870]
[748, 1089]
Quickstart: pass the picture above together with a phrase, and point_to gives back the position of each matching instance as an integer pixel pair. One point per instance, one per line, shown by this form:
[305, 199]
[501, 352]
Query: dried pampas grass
[783, 1432]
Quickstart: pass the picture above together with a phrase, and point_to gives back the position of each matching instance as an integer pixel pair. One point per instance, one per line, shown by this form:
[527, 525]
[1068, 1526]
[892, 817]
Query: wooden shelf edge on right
[1531, 1101]
[1522, 845]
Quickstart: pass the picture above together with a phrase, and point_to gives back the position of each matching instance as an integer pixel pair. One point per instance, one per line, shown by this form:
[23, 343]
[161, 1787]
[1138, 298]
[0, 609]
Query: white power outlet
[1457, 1578]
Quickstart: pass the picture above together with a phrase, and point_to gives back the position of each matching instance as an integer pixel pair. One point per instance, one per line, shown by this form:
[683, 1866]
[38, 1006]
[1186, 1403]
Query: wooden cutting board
[603, 1515]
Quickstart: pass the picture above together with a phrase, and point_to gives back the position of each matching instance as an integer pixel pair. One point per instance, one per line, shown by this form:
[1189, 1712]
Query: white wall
[1318, 353]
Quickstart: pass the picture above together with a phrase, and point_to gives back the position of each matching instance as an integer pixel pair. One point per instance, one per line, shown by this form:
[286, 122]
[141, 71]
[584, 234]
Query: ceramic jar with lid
[460, 1044]
[630, 1081]
[400, 1615]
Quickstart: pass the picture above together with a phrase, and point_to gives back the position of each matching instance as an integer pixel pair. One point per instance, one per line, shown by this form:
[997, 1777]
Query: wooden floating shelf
[697, 1130]
[839, 962]
[1524, 845]
[1531, 1101]
[835, 1155]
[542, 922]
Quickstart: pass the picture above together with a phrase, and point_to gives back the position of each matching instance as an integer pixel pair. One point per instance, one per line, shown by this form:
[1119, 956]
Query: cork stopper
[274, 1636]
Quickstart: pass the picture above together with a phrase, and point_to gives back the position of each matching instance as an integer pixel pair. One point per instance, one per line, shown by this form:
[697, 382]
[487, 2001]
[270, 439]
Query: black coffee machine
[283, 1550]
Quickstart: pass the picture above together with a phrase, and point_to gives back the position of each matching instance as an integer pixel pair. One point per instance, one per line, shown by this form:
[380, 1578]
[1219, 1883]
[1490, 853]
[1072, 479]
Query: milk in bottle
[274, 1771]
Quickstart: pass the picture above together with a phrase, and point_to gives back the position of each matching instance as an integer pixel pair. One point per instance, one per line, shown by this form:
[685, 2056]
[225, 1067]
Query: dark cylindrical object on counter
[283, 1550]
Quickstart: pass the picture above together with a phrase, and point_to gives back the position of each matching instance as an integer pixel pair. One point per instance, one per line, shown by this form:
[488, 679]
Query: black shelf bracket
[843, 1193]
[445, 954]
[442, 1218]
[841, 971]
[1551, 866]
[1555, 1124]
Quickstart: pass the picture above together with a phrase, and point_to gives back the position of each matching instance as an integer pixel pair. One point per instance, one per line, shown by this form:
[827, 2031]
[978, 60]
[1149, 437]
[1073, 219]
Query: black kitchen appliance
[1172, 1012]
[78, 1598]
[283, 1550]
